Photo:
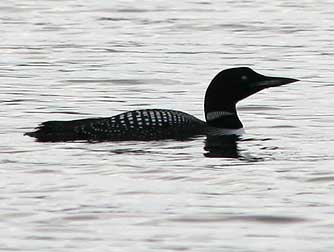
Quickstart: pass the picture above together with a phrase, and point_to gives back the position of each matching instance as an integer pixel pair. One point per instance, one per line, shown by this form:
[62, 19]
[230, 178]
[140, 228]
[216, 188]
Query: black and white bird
[226, 89]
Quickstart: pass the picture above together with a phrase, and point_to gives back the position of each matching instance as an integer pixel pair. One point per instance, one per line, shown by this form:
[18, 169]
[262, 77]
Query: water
[76, 59]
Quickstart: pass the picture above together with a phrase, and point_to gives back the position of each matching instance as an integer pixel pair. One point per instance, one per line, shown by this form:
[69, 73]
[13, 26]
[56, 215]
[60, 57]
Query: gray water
[78, 59]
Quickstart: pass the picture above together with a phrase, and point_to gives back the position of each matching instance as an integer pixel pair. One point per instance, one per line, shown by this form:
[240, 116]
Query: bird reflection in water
[222, 146]
[226, 146]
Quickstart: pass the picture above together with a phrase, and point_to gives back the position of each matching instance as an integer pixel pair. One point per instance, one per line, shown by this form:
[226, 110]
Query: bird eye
[244, 77]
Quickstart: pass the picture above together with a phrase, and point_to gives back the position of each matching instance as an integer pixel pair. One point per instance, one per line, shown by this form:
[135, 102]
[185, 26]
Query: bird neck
[224, 117]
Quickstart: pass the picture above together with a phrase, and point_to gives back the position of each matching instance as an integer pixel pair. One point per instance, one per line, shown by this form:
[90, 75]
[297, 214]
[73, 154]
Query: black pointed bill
[273, 82]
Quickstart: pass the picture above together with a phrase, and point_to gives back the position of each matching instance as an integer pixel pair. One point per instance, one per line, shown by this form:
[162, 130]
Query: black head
[234, 84]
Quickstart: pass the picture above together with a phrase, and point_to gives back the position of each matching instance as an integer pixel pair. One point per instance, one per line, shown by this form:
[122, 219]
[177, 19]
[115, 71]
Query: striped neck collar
[213, 115]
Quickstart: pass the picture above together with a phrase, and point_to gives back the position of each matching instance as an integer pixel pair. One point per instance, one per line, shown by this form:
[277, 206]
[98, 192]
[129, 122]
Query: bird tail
[53, 131]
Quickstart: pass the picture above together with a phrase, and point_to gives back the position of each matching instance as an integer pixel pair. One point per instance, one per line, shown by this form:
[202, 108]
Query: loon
[226, 89]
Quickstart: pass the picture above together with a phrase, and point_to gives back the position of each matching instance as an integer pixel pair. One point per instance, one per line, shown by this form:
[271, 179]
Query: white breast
[221, 131]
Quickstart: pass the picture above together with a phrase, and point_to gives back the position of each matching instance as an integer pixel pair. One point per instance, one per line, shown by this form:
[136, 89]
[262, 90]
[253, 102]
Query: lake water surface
[76, 59]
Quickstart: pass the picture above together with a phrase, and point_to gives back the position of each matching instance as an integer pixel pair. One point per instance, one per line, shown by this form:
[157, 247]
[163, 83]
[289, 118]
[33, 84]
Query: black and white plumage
[222, 95]
[147, 124]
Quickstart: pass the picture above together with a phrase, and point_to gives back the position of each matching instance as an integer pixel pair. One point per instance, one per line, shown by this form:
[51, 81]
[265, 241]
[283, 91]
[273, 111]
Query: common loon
[225, 90]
